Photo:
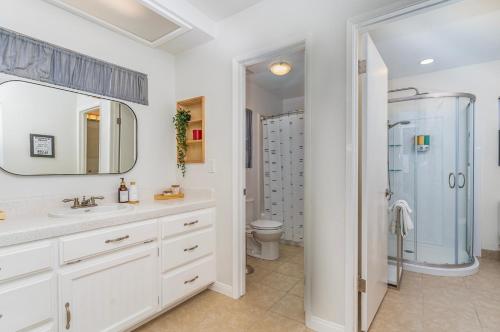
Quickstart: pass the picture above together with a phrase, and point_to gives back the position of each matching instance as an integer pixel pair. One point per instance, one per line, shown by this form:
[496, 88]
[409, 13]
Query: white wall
[482, 80]
[155, 168]
[207, 70]
[262, 101]
[293, 104]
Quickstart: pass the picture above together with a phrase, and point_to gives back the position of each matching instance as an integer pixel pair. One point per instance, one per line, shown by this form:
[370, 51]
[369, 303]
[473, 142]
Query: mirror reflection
[46, 130]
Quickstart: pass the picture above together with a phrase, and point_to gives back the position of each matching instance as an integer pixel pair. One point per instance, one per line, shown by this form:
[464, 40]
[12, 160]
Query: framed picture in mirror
[42, 146]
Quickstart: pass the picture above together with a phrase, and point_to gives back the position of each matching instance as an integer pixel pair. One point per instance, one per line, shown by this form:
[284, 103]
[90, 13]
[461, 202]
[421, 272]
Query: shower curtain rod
[280, 115]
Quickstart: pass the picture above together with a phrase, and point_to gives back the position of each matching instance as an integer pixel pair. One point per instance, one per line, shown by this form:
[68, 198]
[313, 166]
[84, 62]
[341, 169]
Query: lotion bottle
[133, 193]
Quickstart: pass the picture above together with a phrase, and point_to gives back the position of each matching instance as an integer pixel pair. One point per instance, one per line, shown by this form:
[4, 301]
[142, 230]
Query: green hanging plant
[181, 120]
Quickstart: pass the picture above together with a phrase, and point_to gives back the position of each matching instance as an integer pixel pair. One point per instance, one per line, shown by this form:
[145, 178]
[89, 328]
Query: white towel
[401, 208]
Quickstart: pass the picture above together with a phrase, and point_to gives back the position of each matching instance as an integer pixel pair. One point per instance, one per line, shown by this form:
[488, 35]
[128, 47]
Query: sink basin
[91, 211]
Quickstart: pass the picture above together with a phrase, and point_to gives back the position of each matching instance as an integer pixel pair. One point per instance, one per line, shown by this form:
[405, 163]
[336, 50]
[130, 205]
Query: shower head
[398, 123]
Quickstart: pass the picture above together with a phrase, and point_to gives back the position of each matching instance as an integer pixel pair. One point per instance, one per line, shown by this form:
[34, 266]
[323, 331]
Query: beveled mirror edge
[88, 95]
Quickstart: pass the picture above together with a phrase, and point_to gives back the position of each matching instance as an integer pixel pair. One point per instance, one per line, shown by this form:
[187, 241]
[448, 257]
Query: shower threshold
[444, 270]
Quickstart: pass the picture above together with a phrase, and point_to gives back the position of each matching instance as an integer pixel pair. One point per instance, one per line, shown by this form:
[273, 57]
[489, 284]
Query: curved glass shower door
[431, 167]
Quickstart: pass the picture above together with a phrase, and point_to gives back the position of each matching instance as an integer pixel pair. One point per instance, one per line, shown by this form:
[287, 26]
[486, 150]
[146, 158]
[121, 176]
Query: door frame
[356, 26]
[238, 159]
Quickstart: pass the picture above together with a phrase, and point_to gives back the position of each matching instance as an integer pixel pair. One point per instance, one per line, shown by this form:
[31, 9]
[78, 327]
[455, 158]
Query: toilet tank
[250, 210]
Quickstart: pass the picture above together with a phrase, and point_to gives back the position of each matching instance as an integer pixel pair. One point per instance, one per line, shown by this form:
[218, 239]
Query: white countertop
[17, 230]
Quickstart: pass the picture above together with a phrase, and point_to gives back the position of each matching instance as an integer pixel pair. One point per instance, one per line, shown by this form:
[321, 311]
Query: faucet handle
[93, 198]
[76, 202]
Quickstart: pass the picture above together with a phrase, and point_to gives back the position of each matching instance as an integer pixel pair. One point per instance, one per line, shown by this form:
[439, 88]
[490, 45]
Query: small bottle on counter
[133, 193]
[123, 193]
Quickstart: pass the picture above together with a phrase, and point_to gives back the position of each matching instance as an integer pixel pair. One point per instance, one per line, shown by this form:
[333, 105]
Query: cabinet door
[111, 293]
[29, 304]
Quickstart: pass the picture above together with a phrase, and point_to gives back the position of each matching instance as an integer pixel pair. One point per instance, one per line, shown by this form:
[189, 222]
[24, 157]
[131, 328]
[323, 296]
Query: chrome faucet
[84, 202]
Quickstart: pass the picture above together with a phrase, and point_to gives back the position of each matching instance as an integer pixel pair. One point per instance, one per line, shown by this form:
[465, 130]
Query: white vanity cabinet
[110, 293]
[110, 279]
[113, 282]
[187, 255]
[28, 288]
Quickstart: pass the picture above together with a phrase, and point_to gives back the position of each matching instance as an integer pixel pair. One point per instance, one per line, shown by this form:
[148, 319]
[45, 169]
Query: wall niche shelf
[196, 148]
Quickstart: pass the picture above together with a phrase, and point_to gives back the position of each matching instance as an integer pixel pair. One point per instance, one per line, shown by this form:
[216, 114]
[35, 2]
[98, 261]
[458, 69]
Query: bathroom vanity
[104, 273]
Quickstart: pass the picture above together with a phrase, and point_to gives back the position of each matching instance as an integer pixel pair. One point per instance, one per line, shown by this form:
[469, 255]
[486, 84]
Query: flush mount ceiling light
[280, 68]
[426, 61]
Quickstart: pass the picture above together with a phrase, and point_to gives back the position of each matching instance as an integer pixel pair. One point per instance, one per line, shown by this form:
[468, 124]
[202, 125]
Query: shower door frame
[472, 98]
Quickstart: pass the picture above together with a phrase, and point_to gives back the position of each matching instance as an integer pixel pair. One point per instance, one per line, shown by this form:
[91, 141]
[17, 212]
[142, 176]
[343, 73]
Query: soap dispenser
[123, 192]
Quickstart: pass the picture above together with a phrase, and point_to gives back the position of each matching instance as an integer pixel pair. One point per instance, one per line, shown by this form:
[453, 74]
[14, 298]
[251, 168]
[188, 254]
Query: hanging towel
[402, 209]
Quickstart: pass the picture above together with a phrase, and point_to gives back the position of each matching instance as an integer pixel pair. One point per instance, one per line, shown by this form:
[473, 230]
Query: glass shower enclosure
[431, 166]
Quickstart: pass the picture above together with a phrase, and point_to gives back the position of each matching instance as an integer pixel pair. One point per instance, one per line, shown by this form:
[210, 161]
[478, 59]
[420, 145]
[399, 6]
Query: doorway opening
[271, 236]
[419, 145]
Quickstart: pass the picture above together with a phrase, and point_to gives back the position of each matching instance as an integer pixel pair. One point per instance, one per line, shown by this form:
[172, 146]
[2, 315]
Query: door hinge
[361, 67]
[118, 121]
[361, 285]
[158, 249]
[245, 192]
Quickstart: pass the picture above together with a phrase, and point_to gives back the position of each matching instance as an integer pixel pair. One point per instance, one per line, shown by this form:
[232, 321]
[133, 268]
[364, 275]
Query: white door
[374, 204]
[109, 294]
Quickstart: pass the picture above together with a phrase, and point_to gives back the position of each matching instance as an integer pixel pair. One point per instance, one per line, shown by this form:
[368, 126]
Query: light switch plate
[211, 166]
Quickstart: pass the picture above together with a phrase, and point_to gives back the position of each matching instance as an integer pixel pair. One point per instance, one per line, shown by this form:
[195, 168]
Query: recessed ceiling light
[426, 61]
[280, 68]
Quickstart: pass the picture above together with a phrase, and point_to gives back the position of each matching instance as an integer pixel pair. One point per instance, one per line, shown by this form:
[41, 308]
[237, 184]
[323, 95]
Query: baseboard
[322, 325]
[490, 254]
[222, 288]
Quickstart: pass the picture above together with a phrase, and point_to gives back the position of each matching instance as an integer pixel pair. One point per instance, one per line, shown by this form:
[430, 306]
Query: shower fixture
[397, 123]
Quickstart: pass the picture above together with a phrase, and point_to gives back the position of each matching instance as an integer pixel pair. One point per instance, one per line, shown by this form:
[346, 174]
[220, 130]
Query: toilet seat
[264, 224]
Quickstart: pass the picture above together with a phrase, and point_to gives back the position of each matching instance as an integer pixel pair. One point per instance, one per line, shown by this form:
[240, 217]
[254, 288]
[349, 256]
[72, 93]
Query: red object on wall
[197, 134]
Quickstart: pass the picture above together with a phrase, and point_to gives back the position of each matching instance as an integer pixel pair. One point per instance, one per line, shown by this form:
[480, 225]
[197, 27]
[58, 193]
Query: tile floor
[441, 304]
[274, 302]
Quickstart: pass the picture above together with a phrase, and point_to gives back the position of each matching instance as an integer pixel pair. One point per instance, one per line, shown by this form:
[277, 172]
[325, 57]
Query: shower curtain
[283, 157]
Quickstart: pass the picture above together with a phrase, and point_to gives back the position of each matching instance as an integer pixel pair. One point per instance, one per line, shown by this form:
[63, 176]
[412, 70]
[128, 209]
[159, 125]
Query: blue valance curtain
[37, 60]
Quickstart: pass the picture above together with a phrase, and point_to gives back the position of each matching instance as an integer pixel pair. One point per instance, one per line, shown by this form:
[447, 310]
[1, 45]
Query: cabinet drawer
[184, 249]
[25, 259]
[79, 246]
[26, 303]
[187, 280]
[187, 222]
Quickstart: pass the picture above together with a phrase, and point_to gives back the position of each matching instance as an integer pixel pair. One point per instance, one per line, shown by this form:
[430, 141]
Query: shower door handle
[451, 183]
[463, 183]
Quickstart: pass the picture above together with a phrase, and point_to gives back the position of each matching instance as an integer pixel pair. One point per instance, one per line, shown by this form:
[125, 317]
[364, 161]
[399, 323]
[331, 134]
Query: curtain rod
[262, 118]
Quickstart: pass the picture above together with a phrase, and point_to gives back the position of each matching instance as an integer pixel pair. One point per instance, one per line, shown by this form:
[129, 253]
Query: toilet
[263, 235]
[264, 239]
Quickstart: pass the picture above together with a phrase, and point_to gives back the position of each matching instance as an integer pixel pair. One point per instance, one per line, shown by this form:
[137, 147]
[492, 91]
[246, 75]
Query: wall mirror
[49, 131]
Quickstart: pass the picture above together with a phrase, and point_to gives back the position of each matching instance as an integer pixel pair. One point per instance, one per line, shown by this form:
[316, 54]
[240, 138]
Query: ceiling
[464, 33]
[288, 86]
[220, 9]
[172, 25]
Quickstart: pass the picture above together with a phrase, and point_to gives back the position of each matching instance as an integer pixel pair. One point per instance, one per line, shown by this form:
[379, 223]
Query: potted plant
[181, 121]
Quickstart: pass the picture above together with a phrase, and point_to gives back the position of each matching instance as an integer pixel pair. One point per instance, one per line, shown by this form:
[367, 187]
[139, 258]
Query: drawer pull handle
[191, 249]
[68, 316]
[118, 239]
[191, 280]
[191, 223]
